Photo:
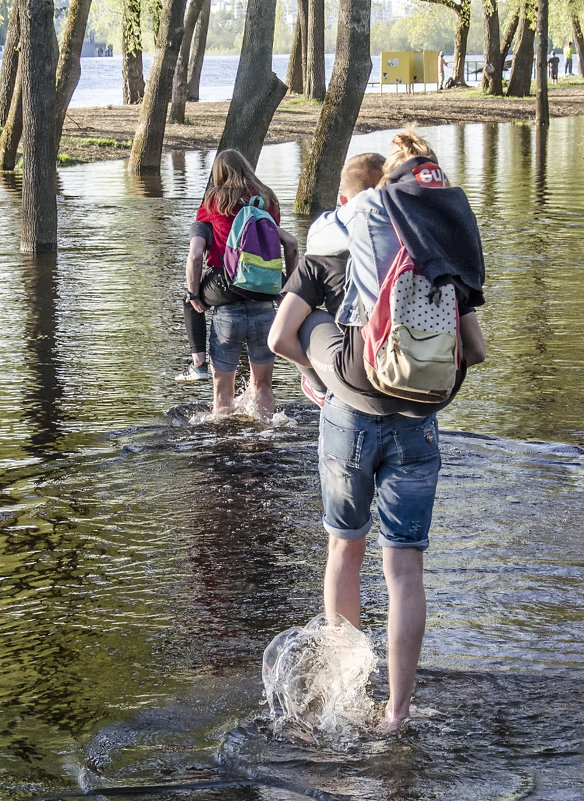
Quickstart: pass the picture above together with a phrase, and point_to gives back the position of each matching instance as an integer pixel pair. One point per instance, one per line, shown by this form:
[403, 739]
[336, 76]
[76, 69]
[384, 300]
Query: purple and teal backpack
[253, 254]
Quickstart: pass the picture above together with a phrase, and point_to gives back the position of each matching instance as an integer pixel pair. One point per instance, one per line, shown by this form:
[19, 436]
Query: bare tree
[520, 80]
[294, 73]
[9, 61]
[578, 43]
[303, 18]
[315, 83]
[39, 175]
[198, 52]
[492, 82]
[462, 10]
[69, 65]
[146, 152]
[132, 68]
[179, 82]
[12, 130]
[258, 90]
[542, 111]
[319, 181]
[509, 33]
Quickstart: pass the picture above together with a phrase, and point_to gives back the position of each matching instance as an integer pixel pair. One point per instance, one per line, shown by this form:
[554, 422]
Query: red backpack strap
[377, 328]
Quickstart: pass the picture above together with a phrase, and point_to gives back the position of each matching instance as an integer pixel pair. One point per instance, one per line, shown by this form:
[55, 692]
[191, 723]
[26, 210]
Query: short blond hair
[405, 145]
[361, 172]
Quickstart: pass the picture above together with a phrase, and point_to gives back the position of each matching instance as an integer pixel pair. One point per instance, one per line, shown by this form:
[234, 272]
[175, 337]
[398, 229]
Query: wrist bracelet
[192, 296]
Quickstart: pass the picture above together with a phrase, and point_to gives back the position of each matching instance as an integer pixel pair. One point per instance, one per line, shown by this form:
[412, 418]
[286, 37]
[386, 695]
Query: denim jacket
[434, 221]
[362, 226]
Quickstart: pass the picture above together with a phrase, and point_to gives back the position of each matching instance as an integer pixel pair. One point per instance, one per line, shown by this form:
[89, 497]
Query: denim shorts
[246, 321]
[398, 455]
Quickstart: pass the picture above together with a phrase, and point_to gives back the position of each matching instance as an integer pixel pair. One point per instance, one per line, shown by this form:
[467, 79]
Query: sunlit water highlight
[151, 551]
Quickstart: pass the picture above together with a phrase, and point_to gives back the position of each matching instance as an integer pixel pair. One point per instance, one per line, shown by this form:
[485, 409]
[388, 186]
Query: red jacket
[221, 225]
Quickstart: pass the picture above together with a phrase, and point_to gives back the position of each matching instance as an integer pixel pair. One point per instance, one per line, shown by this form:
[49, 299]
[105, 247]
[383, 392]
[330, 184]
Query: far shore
[94, 134]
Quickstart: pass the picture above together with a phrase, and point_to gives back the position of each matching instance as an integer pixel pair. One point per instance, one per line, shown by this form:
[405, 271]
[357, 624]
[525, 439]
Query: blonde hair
[405, 145]
[361, 172]
[234, 182]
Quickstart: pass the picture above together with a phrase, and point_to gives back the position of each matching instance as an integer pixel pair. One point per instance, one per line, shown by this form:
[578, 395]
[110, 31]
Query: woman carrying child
[234, 318]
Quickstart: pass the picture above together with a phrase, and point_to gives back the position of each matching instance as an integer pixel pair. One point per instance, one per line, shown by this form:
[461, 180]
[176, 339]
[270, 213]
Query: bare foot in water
[391, 722]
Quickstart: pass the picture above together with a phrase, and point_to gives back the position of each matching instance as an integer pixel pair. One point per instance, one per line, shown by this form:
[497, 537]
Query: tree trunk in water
[319, 181]
[257, 91]
[460, 40]
[294, 71]
[132, 70]
[9, 62]
[520, 81]
[149, 137]
[179, 81]
[542, 111]
[12, 131]
[510, 31]
[578, 44]
[315, 84]
[492, 82]
[39, 174]
[198, 52]
[69, 66]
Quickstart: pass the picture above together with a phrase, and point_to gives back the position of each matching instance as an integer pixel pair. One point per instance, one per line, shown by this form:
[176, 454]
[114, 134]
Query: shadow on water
[12, 182]
[145, 185]
[541, 143]
[163, 602]
[44, 389]
[483, 736]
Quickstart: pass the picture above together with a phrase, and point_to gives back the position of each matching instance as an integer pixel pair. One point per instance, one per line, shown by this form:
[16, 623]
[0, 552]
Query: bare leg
[403, 569]
[342, 594]
[261, 383]
[223, 390]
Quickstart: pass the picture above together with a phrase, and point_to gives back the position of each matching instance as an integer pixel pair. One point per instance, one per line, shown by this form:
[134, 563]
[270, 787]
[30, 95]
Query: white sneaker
[198, 372]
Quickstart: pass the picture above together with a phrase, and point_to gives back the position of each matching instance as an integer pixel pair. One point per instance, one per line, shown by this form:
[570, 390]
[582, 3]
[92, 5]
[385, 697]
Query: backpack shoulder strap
[257, 201]
[402, 262]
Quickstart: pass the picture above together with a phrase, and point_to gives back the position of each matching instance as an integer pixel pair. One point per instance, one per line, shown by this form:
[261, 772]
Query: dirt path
[296, 120]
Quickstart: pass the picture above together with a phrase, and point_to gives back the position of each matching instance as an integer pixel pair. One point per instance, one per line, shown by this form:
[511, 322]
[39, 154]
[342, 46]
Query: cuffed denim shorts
[246, 321]
[397, 455]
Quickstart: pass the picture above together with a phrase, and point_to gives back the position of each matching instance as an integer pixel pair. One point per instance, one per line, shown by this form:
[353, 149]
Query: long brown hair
[234, 182]
[405, 145]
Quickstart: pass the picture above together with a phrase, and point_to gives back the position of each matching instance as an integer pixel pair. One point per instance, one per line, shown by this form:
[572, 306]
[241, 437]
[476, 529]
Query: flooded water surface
[150, 553]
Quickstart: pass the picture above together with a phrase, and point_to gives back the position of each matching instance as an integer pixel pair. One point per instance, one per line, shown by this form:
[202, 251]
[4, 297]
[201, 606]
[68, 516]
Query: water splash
[315, 680]
[245, 406]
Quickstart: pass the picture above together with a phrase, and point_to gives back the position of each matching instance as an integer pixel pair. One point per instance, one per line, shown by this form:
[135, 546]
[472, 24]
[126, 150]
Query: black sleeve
[203, 229]
[319, 281]
[304, 283]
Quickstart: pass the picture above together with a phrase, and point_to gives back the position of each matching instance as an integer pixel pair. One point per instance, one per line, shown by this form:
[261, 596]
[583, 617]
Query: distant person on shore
[441, 64]
[553, 63]
[568, 56]
[235, 320]
[370, 441]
